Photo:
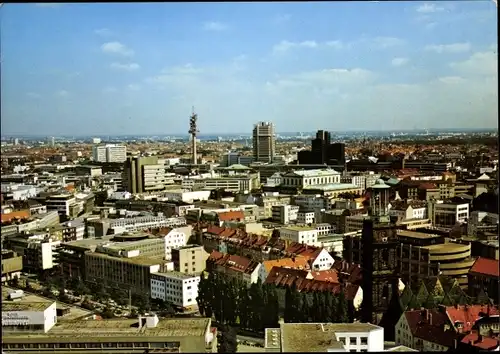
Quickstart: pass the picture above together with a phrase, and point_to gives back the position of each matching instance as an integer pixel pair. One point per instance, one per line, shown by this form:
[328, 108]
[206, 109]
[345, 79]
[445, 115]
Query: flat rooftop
[24, 306]
[317, 337]
[332, 186]
[415, 234]
[139, 260]
[449, 247]
[299, 228]
[175, 274]
[101, 330]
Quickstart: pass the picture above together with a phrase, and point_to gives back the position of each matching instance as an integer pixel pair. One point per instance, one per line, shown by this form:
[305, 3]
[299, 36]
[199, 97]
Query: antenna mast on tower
[193, 131]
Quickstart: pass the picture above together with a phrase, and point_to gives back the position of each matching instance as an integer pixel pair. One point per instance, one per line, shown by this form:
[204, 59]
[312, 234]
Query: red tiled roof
[233, 262]
[481, 342]
[231, 215]
[428, 186]
[329, 275]
[468, 315]
[424, 323]
[18, 214]
[486, 266]
[215, 230]
[293, 263]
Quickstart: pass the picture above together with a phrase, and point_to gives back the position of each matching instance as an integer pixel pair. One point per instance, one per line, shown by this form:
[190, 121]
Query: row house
[236, 267]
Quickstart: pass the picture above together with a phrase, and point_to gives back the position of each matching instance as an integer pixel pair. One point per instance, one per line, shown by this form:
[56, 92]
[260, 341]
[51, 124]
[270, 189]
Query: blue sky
[78, 69]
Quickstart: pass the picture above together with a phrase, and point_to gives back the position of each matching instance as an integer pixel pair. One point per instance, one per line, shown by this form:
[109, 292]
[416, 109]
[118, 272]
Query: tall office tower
[379, 243]
[336, 152]
[319, 147]
[109, 153]
[143, 174]
[264, 144]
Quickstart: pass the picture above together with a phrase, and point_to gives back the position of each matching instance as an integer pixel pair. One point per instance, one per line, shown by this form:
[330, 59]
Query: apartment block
[105, 226]
[177, 288]
[109, 153]
[284, 214]
[190, 259]
[144, 174]
[12, 264]
[448, 214]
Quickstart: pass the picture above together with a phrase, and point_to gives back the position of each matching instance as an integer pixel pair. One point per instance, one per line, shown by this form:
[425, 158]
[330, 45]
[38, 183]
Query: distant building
[190, 259]
[264, 144]
[109, 153]
[143, 174]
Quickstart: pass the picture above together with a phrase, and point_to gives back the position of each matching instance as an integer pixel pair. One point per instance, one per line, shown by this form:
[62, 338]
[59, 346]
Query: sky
[139, 68]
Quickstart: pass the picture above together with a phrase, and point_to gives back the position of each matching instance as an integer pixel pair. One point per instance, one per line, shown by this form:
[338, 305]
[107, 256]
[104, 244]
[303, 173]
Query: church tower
[378, 263]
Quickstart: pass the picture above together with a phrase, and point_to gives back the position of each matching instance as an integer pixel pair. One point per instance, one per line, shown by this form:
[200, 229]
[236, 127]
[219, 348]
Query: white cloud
[117, 48]
[399, 61]
[214, 26]
[126, 67]
[133, 87]
[449, 48]
[49, 4]
[62, 93]
[335, 44]
[284, 46]
[452, 80]
[33, 95]
[478, 64]
[104, 32]
[429, 8]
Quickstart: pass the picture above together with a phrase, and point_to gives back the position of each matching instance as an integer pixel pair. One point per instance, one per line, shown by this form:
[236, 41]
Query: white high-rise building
[109, 153]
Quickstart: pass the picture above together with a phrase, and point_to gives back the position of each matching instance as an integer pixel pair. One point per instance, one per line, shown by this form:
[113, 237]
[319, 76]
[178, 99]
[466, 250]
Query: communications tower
[193, 130]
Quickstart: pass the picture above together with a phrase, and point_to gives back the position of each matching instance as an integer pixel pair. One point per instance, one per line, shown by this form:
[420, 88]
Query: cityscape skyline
[125, 69]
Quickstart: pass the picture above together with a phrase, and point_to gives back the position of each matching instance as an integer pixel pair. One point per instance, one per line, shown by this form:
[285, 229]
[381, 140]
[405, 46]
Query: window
[364, 340]
[352, 341]
[189, 287]
[342, 340]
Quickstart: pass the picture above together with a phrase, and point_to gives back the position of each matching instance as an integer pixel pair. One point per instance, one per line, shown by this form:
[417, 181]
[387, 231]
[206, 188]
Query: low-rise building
[177, 288]
[179, 335]
[105, 226]
[38, 317]
[12, 264]
[448, 214]
[237, 267]
[130, 272]
[301, 234]
[293, 263]
[484, 276]
[324, 337]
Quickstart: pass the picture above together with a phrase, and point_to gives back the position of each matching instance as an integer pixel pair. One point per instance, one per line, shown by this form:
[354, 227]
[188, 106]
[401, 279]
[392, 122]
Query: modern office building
[109, 153]
[323, 151]
[177, 288]
[264, 144]
[143, 174]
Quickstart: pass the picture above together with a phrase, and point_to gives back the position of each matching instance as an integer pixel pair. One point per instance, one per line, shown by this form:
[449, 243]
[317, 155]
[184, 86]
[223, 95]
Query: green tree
[288, 315]
[256, 306]
[270, 315]
[227, 341]
[305, 312]
[201, 299]
[244, 307]
[293, 305]
[107, 313]
[342, 308]
[331, 307]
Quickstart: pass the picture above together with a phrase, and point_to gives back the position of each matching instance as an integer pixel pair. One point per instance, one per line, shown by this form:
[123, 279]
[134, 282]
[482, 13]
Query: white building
[186, 196]
[61, 203]
[34, 315]
[100, 227]
[305, 178]
[302, 234]
[174, 239]
[409, 212]
[19, 191]
[109, 153]
[177, 288]
[448, 214]
[322, 261]
[305, 217]
[325, 337]
[284, 214]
